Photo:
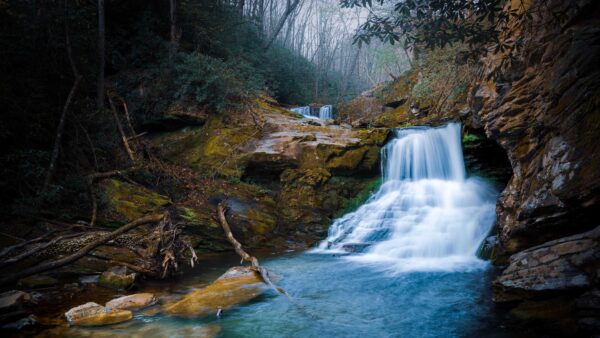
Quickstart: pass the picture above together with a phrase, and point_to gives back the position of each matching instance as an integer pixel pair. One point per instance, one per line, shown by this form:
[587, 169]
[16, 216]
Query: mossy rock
[114, 279]
[37, 281]
[124, 202]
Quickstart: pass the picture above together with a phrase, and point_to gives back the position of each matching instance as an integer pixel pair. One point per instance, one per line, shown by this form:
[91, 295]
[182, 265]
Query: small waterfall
[427, 215]
[325, 112]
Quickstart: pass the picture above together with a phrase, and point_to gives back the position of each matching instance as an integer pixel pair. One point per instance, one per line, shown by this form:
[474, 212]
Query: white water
[325, 112]
[427, 215]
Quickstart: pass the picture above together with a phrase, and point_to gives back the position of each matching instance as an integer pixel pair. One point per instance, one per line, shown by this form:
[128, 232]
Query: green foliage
[213, 83]
[468, 138]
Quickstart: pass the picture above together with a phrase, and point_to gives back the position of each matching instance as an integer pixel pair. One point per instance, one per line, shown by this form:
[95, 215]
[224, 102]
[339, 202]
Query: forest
[381, 167]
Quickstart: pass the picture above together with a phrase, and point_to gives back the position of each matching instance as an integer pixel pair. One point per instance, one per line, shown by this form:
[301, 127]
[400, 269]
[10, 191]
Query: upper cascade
[324, 112]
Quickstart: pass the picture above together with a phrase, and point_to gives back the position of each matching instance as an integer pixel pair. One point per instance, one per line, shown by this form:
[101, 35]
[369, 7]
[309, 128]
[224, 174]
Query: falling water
[325, 112]
[427, 215]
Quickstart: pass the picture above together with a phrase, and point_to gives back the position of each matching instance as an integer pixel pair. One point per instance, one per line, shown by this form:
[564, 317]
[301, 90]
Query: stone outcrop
[543, 109]
[540, 103]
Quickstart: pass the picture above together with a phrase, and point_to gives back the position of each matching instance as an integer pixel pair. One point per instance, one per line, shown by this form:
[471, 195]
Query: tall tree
[101, 44]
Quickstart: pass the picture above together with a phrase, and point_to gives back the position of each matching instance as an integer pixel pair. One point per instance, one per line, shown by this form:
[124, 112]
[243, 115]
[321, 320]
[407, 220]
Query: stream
[412, 269]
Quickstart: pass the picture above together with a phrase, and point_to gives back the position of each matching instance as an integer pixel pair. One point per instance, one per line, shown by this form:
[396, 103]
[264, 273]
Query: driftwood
[237, 246]
[35, 249]
[83, 251]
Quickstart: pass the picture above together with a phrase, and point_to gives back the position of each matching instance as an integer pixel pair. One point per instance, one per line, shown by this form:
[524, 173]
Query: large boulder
[92, 314]
[236, 286]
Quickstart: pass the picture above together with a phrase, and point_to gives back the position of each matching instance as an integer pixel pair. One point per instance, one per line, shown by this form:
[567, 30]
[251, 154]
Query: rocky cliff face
[543, 109]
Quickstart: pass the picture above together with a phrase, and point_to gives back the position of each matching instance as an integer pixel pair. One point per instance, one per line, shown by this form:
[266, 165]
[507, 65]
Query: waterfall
[427, 215]
[325, 112]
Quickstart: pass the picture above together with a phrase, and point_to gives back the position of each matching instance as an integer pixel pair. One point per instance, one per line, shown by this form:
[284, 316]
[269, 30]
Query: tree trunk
[173, 18]
[101, 42]
[288, 10]
[63, 115]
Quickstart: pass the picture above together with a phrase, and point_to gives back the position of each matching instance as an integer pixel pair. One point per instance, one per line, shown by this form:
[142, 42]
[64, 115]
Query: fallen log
[83, 251]
[237, 246]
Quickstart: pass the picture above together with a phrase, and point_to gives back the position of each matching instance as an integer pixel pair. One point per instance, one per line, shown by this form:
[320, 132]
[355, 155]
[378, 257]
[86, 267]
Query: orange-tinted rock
[92, 314]
[132, 302]
[237, 286]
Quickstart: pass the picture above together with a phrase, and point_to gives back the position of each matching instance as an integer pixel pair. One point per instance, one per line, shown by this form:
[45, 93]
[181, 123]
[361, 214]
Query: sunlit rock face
[542, 108]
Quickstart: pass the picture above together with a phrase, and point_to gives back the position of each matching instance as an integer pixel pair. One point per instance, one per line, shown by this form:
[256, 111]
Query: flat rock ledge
[562, 265]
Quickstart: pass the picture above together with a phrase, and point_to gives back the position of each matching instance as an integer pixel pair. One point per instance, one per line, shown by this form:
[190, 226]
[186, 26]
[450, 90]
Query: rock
[90, 279]
[543, 110]
[22, 323]
[117, 278]
[92, 314]
[12, 300]
[562, 265]
[132, 302]
[126, 202]
[238, 285]
[37, 281]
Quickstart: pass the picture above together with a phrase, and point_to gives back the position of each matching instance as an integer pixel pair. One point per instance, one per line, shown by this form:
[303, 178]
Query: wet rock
[12, 300]
[37, 281]
[92, 314]
[238, 285]
[118, 277]
[22, 323]
[132, 302]
[355, 247]
[90, 279]
[561, 265]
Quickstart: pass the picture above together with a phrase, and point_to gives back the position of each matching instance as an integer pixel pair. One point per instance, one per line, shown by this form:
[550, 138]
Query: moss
[469, 138]
[368, 189]
[125, 202]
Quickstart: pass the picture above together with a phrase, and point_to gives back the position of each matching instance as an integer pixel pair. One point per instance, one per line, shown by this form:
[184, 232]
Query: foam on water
[427, 215]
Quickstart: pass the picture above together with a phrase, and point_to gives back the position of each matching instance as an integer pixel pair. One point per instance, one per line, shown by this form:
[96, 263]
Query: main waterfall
[427, 215]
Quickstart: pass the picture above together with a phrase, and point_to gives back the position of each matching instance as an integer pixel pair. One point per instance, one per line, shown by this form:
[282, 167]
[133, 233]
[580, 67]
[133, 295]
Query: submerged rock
[132, 302]
[236, 286]
[92, 314]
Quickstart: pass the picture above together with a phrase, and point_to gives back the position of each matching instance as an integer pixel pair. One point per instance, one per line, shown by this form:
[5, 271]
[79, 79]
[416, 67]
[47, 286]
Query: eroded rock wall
[543, 109]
